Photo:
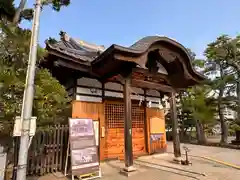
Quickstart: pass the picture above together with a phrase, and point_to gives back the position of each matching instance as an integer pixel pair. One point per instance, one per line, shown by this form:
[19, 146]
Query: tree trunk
[182, 131]
[224, 128]
[18, 11]
[175, 130]
[201, 137]
[181, 117]
[238, 99]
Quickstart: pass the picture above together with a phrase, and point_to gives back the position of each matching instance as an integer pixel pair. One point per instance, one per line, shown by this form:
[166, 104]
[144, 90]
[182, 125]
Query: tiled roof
[87, 52]
[76, 48]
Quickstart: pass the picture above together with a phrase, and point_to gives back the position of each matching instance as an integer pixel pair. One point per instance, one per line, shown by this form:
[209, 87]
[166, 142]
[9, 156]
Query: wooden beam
[156, 75]
[71, 65]
[68, 58]
[152, 85]
[145, 85]
[76, 66]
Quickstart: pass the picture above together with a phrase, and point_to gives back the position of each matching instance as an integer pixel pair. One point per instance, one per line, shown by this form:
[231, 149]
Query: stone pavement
[111, 169]
[199, 168]
[218, 153]
[158, 167]
[161, 167]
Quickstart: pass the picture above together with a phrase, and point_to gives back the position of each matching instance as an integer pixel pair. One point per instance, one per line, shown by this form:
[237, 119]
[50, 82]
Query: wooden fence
[47, 152]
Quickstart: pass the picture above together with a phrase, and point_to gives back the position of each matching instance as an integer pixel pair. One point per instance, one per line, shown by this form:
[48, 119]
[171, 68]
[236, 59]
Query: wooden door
[156, 130]
[114, 123]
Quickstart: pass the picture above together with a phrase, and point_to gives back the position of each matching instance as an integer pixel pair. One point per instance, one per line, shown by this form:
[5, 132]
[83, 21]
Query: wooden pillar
[146, 129]
[103, 92]
[128, 123]
[75, 84]
[176, 140]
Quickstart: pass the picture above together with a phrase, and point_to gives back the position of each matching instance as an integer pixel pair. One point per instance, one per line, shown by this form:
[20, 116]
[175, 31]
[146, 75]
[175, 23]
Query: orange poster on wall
[157, 125]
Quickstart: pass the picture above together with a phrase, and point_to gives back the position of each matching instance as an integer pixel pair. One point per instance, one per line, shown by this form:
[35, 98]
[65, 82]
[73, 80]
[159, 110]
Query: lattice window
[114, 114]
[137, 116]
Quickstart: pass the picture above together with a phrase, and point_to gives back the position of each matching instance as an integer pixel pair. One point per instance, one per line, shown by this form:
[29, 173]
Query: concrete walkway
[200, 169]
[110, 171]
[230, 156]
[162, 167]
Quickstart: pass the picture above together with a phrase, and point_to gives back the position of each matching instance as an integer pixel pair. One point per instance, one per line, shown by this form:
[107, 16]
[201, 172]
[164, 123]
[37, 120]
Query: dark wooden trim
[156, 75]
[108, 98]
[68, 58]
[151, 85]
[77, 67]
[71, 65]
[75, 89]
[103, 92]
[90, 95]
[89, 87]
[116, 91]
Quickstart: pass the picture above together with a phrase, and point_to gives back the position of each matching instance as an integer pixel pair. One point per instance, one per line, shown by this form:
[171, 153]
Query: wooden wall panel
[158, 119]
[93, 111]
[85, 110]
[111, 141]
[101, 128]
[114, 112]
[114, 148]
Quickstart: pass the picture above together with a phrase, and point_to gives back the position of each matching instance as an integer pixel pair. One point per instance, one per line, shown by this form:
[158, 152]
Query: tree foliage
[15, 15]
[195, 100]
[7, 9]
[223, 56]
[51, 101]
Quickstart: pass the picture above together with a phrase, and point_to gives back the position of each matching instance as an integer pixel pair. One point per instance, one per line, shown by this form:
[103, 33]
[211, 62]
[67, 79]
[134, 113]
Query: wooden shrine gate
[114, 124]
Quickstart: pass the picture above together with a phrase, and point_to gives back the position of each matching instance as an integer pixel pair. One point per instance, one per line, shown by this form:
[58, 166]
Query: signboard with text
[84, 154]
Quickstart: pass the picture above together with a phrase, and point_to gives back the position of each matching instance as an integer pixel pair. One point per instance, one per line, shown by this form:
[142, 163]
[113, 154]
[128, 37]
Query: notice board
[157, 125]
[84, 154]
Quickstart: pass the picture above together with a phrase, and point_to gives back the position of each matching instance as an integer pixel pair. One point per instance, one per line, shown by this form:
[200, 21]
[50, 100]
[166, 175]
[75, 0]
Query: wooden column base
[128, 171]
[177, 160]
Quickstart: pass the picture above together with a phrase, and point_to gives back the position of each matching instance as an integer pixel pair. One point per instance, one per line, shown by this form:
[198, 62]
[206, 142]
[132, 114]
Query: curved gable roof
[144, 44]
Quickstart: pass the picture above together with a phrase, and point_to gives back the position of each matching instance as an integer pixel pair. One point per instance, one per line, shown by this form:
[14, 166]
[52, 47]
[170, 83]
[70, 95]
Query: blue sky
[193, 23]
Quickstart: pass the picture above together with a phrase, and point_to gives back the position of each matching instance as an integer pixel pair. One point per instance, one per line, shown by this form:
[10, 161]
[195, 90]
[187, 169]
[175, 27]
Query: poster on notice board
[84, 154]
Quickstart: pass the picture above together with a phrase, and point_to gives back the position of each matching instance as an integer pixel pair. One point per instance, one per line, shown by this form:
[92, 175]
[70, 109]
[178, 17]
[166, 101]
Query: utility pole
[28, 95]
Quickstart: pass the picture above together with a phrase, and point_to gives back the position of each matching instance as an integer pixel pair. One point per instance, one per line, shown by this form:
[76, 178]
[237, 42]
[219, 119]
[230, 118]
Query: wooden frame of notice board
[83, 149]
